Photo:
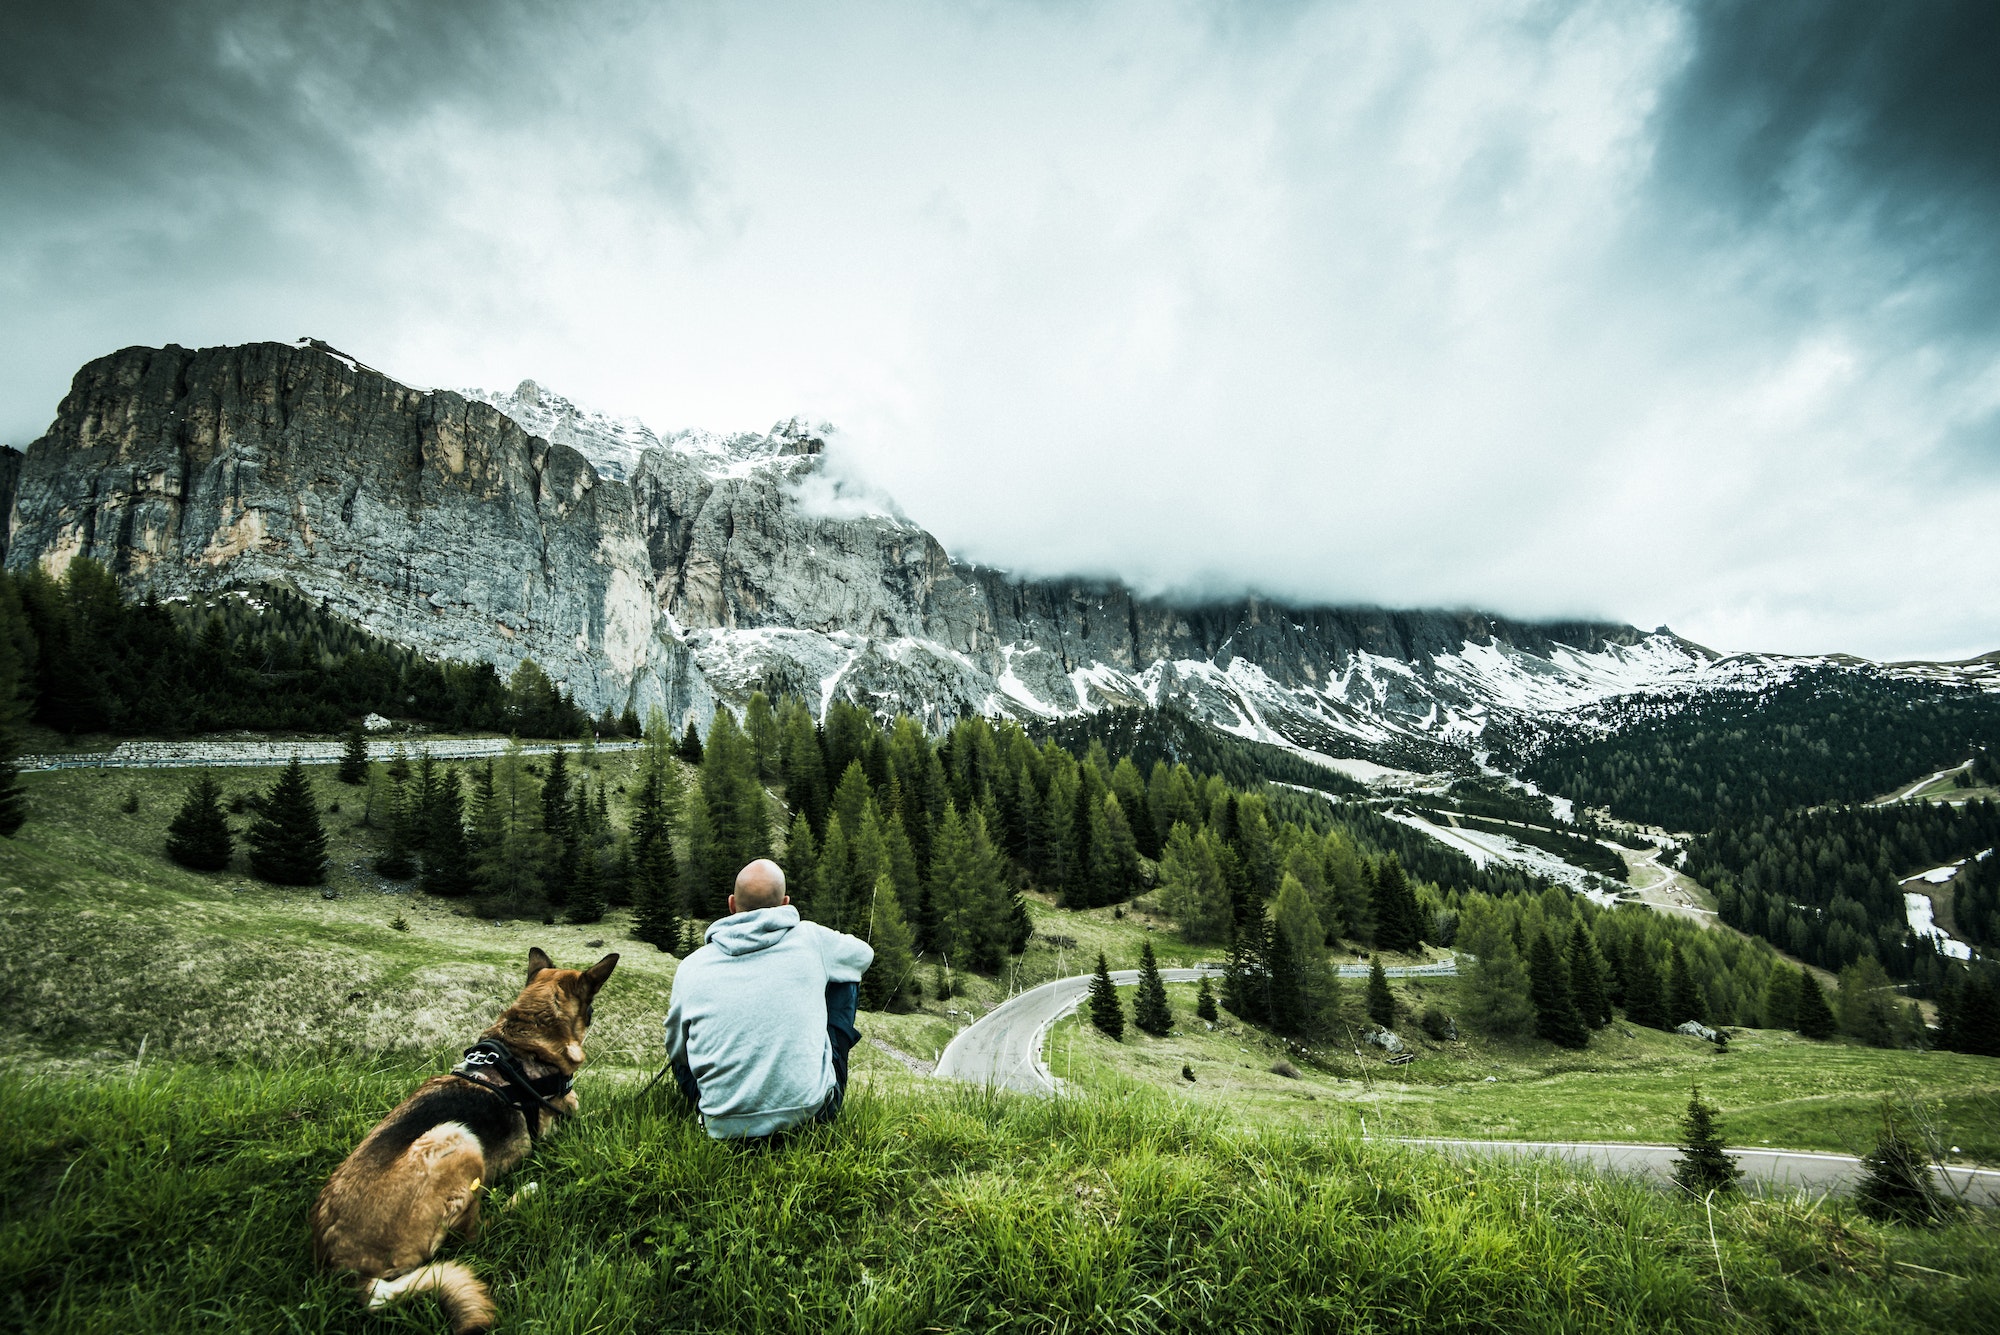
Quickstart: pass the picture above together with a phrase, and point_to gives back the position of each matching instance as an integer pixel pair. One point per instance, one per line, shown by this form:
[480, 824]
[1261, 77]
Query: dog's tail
[466, 1303]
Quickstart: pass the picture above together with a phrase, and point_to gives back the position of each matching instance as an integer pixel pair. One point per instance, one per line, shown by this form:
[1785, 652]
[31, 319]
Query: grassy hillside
[1631, 1084]
[172, 1199]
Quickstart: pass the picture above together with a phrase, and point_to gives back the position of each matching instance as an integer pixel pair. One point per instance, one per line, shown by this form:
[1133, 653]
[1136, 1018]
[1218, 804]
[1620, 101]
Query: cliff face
[438, 520]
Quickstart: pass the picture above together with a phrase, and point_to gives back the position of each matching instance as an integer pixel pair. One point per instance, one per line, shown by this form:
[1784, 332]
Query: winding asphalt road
[1003, 1049]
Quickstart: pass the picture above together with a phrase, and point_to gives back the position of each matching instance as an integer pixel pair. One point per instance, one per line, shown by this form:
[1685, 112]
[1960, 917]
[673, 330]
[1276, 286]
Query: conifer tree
[397, 860]
[801, 864]
[739, 820]
[1150, 1010]
[1115, 855]
[1246, 980]
[1293, 917]
[1396, 925]
[1105, 1012]
[354, 759]
[1644, 1003]
[655, 879]
[1896, 1184]
[1704, 1166]
[1494, 994]
[1381, 1001]
[883, 986]
[698, 872]
[833, 875]
[1204, 1002]
[1287, 1005]
[287, 845]
[1781, 998]
[447, 859]
[690, 749]
[1191, 885]
[1684, 1001]
[1557, 1018]
[1815, 1016]
[199, 835]
[586, 898]
[1587, 983]
[558, 830]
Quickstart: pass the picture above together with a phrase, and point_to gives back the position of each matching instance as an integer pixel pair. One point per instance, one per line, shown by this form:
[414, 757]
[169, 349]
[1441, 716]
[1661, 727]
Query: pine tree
[1204, 1002]
[1293, 916]
[199, 835]
[1150, 1010]
[801, 865]
[883, 986]
[655, 879]
[1644, 1003]
[447, 859]
[1105, 1012]
[1556, 1016]
[1587, 971]
[287, 845]
[558, 830]
[697, 873]
[397, 860]
[1896, 1184]
[690, 749]
[1396, 914]
[1684, 1001]
[1781, 998]
[586, 898]
[1381, 1001]
[1815, 1016]
[1704, 1166]
[1288, 1005]
[1494, 995]
[354, 760]
[1191, 885]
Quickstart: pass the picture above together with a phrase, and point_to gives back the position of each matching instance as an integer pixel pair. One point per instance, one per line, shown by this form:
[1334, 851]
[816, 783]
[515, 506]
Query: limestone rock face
[428, 519]
[679, 570]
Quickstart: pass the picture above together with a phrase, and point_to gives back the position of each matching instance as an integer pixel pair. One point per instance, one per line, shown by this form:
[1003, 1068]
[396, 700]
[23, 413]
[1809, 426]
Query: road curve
[1003, 1048]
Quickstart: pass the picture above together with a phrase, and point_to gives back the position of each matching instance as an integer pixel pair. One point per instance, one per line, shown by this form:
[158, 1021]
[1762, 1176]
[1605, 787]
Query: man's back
[749, 1017]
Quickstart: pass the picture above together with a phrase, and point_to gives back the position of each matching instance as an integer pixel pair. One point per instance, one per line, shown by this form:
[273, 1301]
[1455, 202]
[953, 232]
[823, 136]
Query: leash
[521, 1091]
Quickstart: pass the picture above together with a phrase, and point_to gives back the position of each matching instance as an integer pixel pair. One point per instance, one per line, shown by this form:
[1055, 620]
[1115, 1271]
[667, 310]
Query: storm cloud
[1663, 312]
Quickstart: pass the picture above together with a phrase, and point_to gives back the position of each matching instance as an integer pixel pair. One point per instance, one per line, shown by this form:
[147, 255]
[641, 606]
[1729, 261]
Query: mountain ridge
[474, 526]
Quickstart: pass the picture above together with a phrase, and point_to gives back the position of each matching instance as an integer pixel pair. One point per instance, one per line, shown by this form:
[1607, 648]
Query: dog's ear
[594, 976]
[538, 960]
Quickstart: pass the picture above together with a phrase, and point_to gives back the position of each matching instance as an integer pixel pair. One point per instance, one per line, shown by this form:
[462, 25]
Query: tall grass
[173, 1198]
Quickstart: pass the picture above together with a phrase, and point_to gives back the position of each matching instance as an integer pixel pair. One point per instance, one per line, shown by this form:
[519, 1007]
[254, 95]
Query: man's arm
[846, 957]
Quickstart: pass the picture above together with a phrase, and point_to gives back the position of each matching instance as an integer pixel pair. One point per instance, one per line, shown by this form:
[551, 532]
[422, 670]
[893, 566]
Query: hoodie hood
[744, 933]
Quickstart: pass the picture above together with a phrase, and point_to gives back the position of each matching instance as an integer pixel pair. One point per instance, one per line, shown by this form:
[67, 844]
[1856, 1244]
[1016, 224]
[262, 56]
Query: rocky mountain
[678, 570]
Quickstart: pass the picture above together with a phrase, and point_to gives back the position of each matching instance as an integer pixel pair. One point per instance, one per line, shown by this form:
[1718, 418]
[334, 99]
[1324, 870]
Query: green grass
[1775, 1088]
[173, 1198]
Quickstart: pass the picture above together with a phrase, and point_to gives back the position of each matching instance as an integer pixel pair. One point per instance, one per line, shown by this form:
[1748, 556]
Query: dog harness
[525, 1093]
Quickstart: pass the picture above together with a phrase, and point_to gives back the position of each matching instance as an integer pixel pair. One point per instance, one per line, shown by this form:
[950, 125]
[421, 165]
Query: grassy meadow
[187, 1056]
[1631, 1084]
[172, 1198]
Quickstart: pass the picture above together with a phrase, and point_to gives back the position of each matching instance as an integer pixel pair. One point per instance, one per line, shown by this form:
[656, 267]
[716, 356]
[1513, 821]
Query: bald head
[761, 885]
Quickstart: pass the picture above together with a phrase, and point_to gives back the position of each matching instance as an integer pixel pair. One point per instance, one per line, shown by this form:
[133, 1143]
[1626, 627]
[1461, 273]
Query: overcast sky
[1658, 312]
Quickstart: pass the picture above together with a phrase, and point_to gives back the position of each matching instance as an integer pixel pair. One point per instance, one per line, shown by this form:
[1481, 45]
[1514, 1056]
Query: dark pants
[842, 1001]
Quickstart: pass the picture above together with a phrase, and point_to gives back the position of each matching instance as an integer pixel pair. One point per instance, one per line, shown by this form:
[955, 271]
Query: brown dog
[417, 1177]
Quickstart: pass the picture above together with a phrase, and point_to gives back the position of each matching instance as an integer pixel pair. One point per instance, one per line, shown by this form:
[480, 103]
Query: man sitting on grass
[762, 1016]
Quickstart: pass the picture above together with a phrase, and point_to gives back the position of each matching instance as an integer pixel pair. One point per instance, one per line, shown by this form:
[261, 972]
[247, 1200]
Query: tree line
[1697, 762]
[84, 659]
[1824, 884]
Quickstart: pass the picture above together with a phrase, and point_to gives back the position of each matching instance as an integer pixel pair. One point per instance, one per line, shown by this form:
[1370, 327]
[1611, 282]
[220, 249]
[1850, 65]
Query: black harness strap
[524, 1093]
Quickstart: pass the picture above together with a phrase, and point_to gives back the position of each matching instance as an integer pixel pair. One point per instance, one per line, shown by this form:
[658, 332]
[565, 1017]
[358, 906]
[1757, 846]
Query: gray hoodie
[749, 1014]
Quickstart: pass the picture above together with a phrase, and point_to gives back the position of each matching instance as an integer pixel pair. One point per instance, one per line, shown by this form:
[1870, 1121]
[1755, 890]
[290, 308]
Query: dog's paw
[522, 1195]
